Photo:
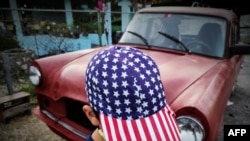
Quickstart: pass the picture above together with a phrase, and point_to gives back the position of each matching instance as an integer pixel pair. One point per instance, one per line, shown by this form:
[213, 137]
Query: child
[127, 99]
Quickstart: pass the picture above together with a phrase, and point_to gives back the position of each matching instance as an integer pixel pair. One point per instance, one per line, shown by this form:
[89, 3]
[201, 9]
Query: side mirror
[240, 49]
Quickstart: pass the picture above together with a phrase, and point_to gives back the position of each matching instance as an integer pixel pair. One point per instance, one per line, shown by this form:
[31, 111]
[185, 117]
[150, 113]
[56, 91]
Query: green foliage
[29, 88]
[90, 27]
[8, 42]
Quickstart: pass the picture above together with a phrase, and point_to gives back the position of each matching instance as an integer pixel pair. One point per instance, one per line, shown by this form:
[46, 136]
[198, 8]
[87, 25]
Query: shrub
[8, 42]
[29, 88]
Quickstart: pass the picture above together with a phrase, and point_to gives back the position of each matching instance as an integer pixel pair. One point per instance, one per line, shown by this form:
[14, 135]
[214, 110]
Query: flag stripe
[165, 122]
[169, 115]
[131, 131]
[173, 123]
[153, 120]
[116, 130]
[145, 129]
[150, 128]
[105, 127]
[136, 130]
[141, 130]
[164, 127]
[110, 122]
[169, 124]
[126, 130]
[159, 126]
[156, 127]
[122, 130]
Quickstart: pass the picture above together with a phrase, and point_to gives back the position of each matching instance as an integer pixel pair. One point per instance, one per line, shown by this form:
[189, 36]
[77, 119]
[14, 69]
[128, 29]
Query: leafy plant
[29, 88]
[8, 42]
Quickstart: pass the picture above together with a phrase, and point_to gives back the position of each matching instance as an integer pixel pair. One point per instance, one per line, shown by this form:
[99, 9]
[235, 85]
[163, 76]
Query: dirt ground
[29, 128]
[26, 128]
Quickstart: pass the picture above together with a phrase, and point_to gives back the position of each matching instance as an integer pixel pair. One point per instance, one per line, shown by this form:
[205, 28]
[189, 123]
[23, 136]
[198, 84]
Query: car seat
[211, 34]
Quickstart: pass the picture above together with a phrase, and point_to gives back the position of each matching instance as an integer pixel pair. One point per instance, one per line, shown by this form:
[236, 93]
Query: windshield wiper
[141, 37]
[175, 40]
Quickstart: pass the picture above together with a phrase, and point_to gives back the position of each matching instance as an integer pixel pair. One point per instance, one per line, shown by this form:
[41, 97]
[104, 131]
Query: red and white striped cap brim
[160, 126]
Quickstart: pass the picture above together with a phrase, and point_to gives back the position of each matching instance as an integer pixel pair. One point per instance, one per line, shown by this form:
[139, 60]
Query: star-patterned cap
[123, 84]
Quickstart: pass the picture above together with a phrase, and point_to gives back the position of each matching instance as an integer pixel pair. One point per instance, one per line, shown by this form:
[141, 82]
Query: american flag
[124, 85]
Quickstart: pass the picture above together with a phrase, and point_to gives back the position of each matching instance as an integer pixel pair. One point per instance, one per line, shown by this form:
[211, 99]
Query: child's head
[123, 84]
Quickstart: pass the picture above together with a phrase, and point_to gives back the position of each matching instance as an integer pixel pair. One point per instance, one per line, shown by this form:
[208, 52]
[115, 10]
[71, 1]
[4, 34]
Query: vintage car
[196, 49]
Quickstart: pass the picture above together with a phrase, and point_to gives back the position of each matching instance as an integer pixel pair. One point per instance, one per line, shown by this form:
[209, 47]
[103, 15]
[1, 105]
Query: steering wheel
[199, 46]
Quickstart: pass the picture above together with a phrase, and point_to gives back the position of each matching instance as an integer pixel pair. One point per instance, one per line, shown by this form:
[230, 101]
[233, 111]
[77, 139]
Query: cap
[123, 84]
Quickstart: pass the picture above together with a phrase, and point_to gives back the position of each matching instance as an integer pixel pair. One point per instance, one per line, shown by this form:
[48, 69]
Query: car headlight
[34, 75]
[190, 129]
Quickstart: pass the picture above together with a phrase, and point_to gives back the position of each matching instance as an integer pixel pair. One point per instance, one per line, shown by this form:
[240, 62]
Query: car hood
[178, 72]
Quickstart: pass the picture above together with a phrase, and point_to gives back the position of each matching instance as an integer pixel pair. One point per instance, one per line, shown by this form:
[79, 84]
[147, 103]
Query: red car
[196, 49]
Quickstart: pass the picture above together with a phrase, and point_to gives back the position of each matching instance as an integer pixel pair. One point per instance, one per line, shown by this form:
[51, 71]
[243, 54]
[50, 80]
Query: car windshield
[203, 35]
